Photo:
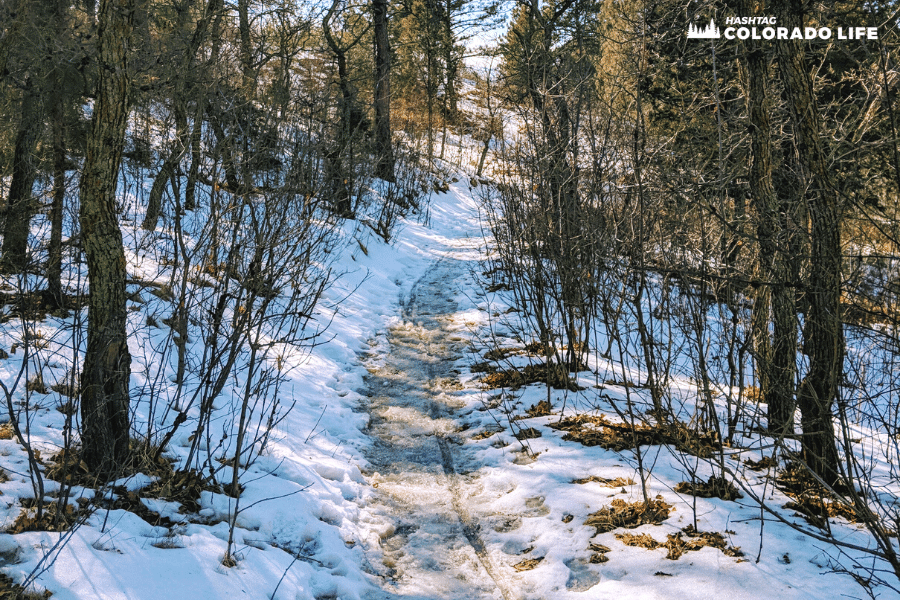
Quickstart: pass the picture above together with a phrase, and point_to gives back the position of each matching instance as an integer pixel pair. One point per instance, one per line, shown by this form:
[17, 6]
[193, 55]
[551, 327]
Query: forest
[274, 271]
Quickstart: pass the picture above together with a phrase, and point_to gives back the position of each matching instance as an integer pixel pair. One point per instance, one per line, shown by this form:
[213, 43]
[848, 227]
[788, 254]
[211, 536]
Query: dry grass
[621, 514]
[501, 353]
[715, 487]
[610, 483]
[10, 590]
[529, 433]
[811, 501]
[527, 564]
[686, 540]
[763, 464]
[597, 430]
[514, 378]
[486, 434]
[51, 519]
[599, 553]
[483, 367]
[541, 409]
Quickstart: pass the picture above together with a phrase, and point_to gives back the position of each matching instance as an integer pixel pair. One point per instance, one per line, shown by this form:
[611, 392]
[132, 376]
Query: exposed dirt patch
[621, 514]
[714, 487]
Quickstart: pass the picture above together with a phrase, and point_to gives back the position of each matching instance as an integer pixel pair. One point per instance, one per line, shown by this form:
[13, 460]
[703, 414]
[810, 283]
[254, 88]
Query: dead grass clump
[486, 434]
[10, 590]
[702, 444]
[183, 487]
[483, 367]
[131, 502]
[36, 385]
[168, 542]
[621, 514]
[752, 394]
[66, 408]
[599, 553]
[812, 501]
[715, 487]
[538, 349]
[66, 389]
[67, 466]
[625, 383]
[610, 483]
[6, 431]
[514, 378]
[507, 378]
[591, 430]
[541, 409]
[644, 540]
[597, 430]
[686, 540]
[51, 519]
[528, 433]
[527, 564]
[763, 464]
[500, 353]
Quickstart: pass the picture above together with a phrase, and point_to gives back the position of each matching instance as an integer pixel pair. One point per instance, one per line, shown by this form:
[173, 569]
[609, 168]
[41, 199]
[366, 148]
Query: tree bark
[54, 250]
[823, 333]
[183, 137]
[20, 204]
[775, 355]
[107, 362]
[384, 165]
[58, 127]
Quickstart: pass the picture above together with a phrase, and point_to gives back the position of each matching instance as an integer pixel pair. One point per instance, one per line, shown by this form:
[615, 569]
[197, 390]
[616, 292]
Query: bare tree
[107, 361]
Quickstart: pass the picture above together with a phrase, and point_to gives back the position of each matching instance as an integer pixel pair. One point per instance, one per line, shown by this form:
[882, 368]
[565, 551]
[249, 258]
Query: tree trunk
[107, 362]
[823, 333]
[54, 250]
[776, 357]
[183, 137]
[350, 120]
[55, 294]
[384, 165]
[20, 204]
[451, 66]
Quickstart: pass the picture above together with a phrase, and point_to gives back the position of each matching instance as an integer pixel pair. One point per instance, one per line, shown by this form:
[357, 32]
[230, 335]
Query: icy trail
[421, 470]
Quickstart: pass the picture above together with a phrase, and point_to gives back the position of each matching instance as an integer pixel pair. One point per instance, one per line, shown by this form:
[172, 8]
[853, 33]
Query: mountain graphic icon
[710, 32]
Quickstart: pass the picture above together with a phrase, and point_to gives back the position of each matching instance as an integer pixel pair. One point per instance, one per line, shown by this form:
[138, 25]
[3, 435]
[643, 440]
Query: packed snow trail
[422, 472]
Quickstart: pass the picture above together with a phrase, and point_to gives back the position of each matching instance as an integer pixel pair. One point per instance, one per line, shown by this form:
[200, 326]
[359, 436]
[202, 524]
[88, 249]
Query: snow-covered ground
[397, 476]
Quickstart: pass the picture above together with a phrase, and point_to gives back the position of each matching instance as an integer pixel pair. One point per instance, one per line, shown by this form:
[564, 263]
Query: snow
[376, 484]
